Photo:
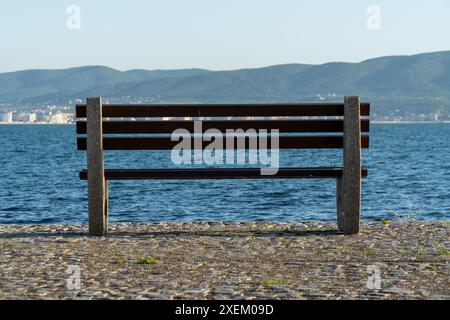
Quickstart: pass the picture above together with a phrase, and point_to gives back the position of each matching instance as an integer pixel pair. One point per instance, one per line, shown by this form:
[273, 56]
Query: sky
[215, 34]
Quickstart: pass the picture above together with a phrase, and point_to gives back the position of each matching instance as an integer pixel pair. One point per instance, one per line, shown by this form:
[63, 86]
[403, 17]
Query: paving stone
[226, 260]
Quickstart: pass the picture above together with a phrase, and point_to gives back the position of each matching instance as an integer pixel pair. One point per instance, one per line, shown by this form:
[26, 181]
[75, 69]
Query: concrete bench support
[348, 188]
[97, 185]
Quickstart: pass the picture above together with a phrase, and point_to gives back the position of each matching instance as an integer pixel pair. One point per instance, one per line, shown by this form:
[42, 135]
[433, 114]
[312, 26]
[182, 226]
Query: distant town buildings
[49, 114]
[64, 114]
[6, 117]
[24, 117]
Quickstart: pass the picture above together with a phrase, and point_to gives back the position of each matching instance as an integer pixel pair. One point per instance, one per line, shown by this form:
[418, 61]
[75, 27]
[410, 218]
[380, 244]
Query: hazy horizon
[219, 35]
[256, 67]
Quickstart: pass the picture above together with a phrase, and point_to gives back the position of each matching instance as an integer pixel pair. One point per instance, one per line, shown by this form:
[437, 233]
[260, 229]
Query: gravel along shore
[226, 260]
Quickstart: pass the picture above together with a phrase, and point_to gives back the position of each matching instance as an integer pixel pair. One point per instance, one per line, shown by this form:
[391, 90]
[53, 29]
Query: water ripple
[409, 171]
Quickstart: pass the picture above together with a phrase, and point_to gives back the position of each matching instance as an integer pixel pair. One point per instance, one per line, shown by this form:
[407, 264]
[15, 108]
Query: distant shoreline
[373, 122]
[407, 122]
[31, 123]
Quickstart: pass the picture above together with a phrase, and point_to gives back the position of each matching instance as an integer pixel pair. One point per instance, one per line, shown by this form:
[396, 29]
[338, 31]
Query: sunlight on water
[409, 176]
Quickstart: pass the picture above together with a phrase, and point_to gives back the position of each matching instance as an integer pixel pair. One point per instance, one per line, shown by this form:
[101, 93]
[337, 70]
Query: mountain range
[417, 83]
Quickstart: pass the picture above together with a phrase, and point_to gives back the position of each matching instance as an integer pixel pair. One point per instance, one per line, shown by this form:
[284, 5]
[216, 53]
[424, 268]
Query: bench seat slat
[284, 126]
[221, 173]
[165, 143]
[222, 110]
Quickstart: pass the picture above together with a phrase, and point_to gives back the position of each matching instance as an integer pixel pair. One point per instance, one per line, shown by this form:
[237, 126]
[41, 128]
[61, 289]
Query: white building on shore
[59, 117]
[24, 117]
[6, 117]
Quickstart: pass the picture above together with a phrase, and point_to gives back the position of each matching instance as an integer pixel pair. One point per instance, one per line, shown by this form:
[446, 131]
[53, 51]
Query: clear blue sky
[215, 34]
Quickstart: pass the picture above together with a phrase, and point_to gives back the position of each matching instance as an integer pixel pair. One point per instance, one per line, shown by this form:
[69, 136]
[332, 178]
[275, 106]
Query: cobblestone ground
[221, 260]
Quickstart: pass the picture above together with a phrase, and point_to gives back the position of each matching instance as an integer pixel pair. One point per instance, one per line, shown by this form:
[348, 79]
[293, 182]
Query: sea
[408, 164]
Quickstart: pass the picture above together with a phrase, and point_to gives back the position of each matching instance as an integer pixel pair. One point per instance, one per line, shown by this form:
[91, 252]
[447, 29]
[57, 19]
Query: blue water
[409, 176]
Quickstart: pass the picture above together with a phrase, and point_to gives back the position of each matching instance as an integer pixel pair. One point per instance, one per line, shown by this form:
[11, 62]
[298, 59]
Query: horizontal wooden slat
[220, 173]
[221, 110]
[284, 126]
[164, 143]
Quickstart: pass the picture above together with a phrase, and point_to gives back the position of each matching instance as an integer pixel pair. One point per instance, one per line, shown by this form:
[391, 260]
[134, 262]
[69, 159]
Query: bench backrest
[295, 118]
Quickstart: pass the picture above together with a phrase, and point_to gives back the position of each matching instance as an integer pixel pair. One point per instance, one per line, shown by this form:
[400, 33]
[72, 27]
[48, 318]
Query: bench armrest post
[349, 204]
[97, 194]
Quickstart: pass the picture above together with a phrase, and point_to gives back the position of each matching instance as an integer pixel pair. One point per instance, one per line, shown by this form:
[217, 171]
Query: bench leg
[348, 206]
[348, 209]
[349, 186]
[97, 184]
[106, 207]
[339, 203]
[98, 209]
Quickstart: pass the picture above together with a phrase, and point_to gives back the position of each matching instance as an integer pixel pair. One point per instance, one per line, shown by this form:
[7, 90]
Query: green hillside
[35, 85]
[417, 83]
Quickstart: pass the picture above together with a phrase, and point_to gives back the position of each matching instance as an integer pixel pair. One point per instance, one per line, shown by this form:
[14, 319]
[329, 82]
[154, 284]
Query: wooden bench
[348, 122]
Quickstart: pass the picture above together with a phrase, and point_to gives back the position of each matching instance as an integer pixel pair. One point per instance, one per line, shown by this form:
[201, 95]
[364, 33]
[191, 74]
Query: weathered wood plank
[222, 110]
[220, 173]
[165, 143]
[284, 126]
